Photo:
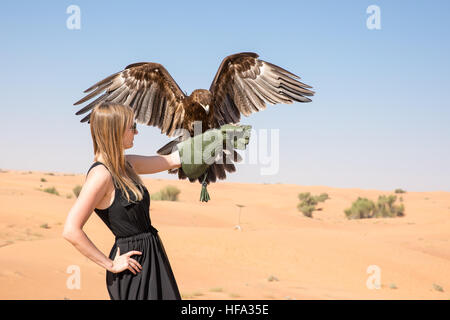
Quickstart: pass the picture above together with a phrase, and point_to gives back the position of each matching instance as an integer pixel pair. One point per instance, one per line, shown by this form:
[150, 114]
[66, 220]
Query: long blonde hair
[108, 122]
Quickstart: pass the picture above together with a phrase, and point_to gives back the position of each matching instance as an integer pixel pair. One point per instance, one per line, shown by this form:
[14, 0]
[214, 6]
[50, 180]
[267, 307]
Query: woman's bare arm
[93, 190]
[154, 164]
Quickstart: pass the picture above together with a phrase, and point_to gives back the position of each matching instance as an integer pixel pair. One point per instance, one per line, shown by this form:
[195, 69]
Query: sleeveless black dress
[131, 225]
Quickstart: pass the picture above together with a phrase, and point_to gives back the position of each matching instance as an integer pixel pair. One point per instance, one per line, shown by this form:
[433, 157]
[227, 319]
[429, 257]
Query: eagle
[242, 85]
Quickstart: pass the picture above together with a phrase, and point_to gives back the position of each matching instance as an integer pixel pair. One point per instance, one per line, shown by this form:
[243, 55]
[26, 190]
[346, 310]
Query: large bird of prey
[243, 84]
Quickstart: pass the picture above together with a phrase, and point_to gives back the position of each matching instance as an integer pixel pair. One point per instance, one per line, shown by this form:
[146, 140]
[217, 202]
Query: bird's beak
[206, 108]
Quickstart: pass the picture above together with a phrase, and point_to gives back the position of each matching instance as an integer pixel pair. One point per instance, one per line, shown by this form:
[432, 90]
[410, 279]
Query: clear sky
[380, 118]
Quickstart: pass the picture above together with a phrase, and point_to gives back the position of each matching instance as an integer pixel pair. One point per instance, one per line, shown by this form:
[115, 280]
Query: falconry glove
[199, 152]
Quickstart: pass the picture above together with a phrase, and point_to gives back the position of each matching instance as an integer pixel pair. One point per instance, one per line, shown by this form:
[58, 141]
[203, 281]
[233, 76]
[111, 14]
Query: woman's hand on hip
[124, 261]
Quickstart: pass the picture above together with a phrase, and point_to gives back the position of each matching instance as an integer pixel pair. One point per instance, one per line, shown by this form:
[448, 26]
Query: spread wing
[148, 89]
[244, 83]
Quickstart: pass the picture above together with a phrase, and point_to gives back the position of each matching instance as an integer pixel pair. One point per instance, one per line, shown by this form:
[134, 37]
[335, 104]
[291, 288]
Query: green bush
[386, 207]
[169, 193]
[438, 287]
[322, 197]
[364, 208]
[308, 204]
[156, 196]
[51, 190]
[399, 191]
[307, 210]
[43, 180]
[77, 190]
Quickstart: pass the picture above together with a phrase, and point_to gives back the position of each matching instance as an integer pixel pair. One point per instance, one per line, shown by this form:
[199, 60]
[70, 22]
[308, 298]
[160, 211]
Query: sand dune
[325, 257]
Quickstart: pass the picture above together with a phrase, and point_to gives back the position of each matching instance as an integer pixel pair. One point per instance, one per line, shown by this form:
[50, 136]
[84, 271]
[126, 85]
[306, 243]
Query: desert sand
[324, 257]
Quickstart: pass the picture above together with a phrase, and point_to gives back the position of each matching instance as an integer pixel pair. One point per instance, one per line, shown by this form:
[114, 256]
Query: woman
[137, 266]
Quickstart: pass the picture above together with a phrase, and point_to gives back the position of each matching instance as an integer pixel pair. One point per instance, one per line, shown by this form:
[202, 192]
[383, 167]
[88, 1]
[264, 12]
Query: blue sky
[379, 119]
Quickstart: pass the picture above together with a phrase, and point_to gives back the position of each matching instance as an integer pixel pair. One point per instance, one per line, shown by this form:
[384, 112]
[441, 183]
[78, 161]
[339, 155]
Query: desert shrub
[308, 203]
[43, 180]
[156, 196]
[272, 278]
[360, 209]
[364, 208]
[438, 287]
[77, 190]
[307, 210]
[399, 191]
[386, 208]
[169, 193]
[322, 197]
[51, 190]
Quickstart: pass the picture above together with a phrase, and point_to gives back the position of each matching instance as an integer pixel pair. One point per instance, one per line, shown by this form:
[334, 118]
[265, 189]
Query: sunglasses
[133, 127]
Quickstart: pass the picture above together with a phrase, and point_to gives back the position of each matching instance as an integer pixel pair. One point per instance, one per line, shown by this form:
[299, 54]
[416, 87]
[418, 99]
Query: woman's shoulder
[98, 179]
[98, 171]
[98, 166]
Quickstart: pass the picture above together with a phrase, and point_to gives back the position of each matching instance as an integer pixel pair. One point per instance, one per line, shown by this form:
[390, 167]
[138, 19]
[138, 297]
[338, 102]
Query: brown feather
[131, 87]
[251, 83]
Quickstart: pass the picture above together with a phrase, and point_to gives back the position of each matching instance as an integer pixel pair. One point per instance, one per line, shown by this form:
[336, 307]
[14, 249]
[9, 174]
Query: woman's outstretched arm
[154, 164]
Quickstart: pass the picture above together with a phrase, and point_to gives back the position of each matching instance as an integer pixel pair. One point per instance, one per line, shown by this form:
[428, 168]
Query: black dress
[130, 223]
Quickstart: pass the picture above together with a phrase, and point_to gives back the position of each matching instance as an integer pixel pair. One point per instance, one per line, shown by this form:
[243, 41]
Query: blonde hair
[108, 122]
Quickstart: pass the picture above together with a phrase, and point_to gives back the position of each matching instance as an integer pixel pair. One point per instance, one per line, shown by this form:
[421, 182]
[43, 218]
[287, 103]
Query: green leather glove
[199, 152]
